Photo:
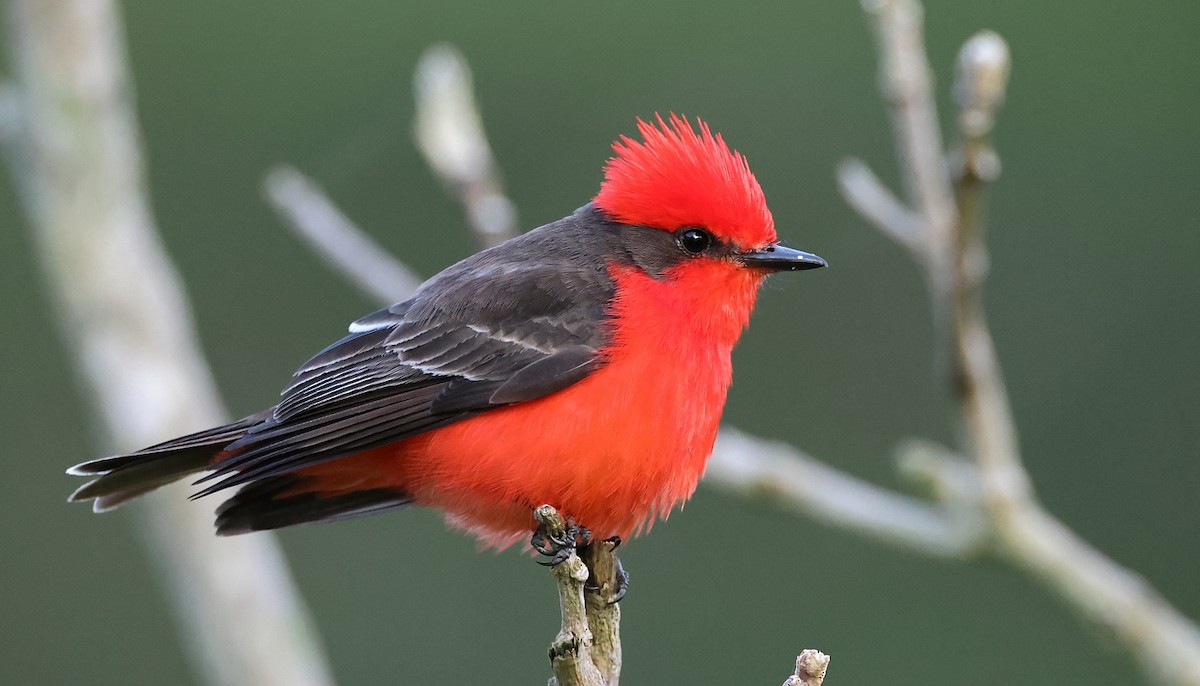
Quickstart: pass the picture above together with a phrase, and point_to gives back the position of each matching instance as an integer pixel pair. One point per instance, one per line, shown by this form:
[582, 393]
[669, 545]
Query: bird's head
[694, 187]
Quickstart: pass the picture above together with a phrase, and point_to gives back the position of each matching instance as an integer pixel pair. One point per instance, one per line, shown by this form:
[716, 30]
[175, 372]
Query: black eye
[695, 240]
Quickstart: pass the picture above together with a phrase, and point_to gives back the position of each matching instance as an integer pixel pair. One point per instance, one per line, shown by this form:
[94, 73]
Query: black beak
[782, 259]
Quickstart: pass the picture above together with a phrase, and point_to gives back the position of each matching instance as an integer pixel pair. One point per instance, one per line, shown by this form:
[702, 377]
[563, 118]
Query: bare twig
[449, 132]
[73, 144]
[334, 238]
[982, 75]
[783, 475]
[1122, 604]
[1165, 643]
[811, 666]
[982, 78]
[907, 84]
[871, 198]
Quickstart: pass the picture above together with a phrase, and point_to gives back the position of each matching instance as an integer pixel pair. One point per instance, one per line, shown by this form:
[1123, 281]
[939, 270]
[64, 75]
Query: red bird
[583, 364]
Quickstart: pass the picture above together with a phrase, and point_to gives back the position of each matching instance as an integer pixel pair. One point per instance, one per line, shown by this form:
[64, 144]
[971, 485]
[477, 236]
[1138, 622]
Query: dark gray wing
[508, 325]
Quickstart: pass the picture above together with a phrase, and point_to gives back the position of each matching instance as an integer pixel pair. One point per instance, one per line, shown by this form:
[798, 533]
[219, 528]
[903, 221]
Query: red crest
[675, 177]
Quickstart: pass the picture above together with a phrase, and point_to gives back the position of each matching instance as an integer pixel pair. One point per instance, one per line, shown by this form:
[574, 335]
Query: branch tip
[981, 81]
[811, 666]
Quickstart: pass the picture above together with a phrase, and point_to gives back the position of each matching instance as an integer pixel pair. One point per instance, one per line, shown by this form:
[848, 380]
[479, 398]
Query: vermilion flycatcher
[583, 364]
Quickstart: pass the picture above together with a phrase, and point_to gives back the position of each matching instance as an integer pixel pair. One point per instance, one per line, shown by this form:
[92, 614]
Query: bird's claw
[557, 558]
[558, 546]
[620, 576]
[622, 584]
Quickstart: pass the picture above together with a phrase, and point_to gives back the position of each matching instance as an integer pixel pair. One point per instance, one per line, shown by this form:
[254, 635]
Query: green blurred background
[1093, 302]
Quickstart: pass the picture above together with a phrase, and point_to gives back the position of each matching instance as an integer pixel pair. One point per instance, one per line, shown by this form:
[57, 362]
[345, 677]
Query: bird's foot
[557, 539]
[618, 577]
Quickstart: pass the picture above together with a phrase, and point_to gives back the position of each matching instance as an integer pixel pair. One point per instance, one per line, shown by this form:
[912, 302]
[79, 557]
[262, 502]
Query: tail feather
[123, 477]
[263, 503]
[105, 503]
[288, 499]
[114, 488]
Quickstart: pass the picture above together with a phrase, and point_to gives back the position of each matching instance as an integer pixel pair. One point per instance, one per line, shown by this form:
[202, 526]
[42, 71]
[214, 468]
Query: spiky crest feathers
[675, 177]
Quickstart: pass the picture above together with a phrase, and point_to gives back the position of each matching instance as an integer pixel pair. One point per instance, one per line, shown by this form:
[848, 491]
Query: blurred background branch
[1119, 602]
[310, 214]
[70, 136]
[781, 475]
[449, 133]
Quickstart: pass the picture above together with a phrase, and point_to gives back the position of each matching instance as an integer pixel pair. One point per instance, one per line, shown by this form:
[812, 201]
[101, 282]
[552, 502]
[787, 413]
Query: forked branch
[1120, 603]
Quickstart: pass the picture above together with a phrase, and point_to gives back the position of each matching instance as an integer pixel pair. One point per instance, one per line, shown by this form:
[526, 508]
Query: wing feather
[501, 327]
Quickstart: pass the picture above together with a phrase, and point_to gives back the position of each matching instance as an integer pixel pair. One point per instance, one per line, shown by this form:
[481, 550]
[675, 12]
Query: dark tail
[288, 499]
[266, 503]
[122, 477]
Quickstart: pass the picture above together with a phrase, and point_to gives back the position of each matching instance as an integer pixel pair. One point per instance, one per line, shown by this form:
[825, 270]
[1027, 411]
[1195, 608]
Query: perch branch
[449, 132]
[603, 612]
[73, 145]
[571, 656]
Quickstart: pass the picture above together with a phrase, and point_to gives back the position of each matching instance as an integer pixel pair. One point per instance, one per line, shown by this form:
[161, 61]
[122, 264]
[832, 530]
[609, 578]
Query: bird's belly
[613, 451]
